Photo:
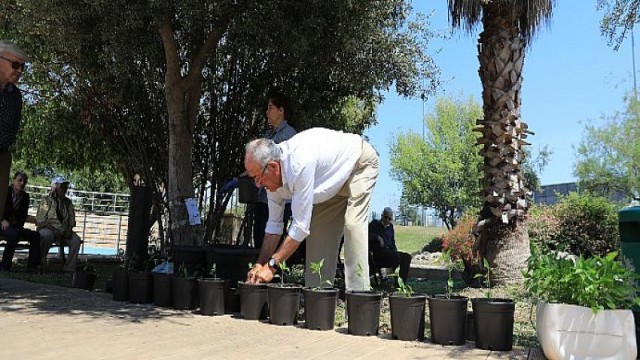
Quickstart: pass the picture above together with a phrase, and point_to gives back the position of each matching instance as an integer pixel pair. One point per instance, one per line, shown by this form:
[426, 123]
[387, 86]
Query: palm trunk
[501, 232]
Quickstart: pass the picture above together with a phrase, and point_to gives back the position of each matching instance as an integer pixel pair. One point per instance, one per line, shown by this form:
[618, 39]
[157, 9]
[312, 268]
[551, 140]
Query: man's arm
[262, 272]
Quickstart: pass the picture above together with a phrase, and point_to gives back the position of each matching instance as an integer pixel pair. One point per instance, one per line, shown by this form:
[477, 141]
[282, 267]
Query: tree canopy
[441, 170]
[609, 154]
[168, 93]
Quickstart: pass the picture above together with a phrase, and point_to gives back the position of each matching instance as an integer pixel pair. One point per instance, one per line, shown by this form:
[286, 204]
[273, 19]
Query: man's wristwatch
[273, 263]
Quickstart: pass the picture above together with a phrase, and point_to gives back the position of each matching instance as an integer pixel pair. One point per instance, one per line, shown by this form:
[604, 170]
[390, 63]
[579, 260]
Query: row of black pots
[492, 319]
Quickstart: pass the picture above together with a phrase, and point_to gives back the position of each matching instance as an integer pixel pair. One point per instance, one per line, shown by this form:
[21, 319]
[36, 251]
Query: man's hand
[5, 225]
[259, 274]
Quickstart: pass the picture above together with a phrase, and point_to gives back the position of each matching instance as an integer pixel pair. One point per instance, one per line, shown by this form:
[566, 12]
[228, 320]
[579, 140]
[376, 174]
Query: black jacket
[16, 217]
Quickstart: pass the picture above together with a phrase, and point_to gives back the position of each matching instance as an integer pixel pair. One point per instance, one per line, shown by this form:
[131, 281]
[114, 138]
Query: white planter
[575, 332]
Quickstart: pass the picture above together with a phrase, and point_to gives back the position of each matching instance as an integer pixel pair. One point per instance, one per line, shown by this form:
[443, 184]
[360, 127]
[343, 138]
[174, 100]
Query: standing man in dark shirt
[12, 225]
[382, 243]
[12, 64]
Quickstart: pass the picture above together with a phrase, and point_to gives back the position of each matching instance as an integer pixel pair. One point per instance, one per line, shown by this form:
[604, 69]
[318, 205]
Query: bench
[23, 244]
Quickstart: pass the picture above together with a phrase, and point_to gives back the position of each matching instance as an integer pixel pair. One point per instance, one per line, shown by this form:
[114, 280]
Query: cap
[387, 211]
[10, 46]
[59, 180]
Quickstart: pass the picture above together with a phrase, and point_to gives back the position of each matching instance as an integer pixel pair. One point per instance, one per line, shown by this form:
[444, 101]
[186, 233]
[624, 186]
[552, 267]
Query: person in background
[278, 111]
[329, 177]
[382, 244]
[12, 65]
[12, 225]
[55, 220]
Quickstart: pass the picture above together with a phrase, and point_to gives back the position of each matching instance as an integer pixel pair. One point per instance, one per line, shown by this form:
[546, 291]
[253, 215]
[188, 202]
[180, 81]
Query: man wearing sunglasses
[12, 64]
[382, 243]
[329, 177]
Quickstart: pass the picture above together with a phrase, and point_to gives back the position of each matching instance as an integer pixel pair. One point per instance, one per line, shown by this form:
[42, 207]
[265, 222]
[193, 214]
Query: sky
[571, 78]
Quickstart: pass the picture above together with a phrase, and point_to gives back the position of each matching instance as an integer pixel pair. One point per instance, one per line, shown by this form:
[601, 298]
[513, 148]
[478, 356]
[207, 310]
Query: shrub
[435, 245]
[543, 226]
[459, 240]
[588, 225]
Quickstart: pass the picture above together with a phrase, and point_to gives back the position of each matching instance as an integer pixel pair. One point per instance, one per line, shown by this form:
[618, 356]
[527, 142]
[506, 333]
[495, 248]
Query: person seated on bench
[55, 221]
[12, 227]
[382, 244]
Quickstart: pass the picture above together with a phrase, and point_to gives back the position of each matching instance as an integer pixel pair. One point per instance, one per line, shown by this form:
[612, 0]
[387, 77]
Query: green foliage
[316, 268]
[212, 271]
[441, 170]
[283, 270]
[588, 225]
[597, 282]
[403, 288]
[609, 154]
[182, 270]
[543, 226]
[458, 242]
[435, 245]
[486, 277]
[450, 264]
[618, 21]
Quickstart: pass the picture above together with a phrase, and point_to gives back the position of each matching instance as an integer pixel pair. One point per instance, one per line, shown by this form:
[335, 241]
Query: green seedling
[487, 276]
[448, 259]
[283, 270]
[182, 270]
[403, 288]
[212, 271]
[360, 274]
[316, 268]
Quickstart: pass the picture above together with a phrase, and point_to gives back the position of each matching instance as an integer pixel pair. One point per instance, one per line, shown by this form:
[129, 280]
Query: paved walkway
[49, 322]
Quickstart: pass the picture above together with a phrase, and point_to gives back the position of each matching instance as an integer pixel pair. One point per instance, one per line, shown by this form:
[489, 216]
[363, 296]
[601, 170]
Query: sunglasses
[15, 65]
[387, 217]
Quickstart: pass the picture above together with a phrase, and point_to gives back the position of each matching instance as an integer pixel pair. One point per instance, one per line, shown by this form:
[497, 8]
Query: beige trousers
[74, 242]
[346, 213]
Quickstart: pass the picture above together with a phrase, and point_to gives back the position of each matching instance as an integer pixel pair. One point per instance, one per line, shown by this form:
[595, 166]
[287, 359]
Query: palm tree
[508, 27]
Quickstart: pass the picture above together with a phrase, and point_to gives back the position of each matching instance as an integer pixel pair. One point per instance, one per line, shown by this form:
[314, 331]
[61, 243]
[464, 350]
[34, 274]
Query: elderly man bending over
[329, 177]
[55, 221]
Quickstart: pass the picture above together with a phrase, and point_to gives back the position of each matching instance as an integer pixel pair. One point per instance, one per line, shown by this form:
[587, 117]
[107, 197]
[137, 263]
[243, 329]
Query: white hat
[10, 46]
[59, 180]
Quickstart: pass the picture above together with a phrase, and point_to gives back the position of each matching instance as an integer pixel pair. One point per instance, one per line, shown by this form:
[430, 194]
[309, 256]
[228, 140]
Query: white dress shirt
[315, 164]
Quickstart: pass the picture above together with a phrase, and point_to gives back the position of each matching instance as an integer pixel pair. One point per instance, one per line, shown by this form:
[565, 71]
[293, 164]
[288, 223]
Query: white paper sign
[192, 209]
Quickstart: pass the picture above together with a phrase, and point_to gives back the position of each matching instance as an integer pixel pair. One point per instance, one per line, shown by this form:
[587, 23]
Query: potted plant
[407, 312]
[363, 309]
[284, 300]
[492, 318]
[184, 289]
[448, 312]
[162, 293]
[320, 302]
[84, 277]
[212, 293]
[584, 306]
[141, 285]
[120, 280]
[253, 300]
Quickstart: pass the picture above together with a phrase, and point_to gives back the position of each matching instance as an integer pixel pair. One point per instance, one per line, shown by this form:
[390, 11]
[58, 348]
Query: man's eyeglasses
[257, 179]
[15, 65]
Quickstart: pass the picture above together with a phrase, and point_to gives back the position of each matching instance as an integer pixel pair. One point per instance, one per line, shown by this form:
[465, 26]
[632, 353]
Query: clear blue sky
[571, 77]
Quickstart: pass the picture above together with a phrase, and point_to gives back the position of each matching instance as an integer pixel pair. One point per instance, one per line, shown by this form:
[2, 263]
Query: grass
[411, 239]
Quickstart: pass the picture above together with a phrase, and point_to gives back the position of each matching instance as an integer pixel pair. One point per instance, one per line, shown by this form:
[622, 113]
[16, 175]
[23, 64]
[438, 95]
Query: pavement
[50, 322]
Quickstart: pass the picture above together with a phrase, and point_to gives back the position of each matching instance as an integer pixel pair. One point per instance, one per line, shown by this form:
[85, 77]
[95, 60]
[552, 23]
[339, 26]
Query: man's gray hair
[263, 151]
[7, 46]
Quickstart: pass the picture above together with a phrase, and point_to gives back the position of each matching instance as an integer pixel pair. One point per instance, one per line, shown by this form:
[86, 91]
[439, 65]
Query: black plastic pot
[407, 317]
[448, 319]
[493, 322]
[120, 285]
[83, 279]
[140, 287]
[212, 294]
[284, 303]
[363, 312]
[320, 308]
[162, 290]
[232, 301]
[184, 292]
[253, 301]
[231, 261]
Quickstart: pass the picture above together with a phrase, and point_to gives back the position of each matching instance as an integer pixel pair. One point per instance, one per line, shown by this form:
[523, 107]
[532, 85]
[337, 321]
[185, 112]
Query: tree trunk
[501, 235]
